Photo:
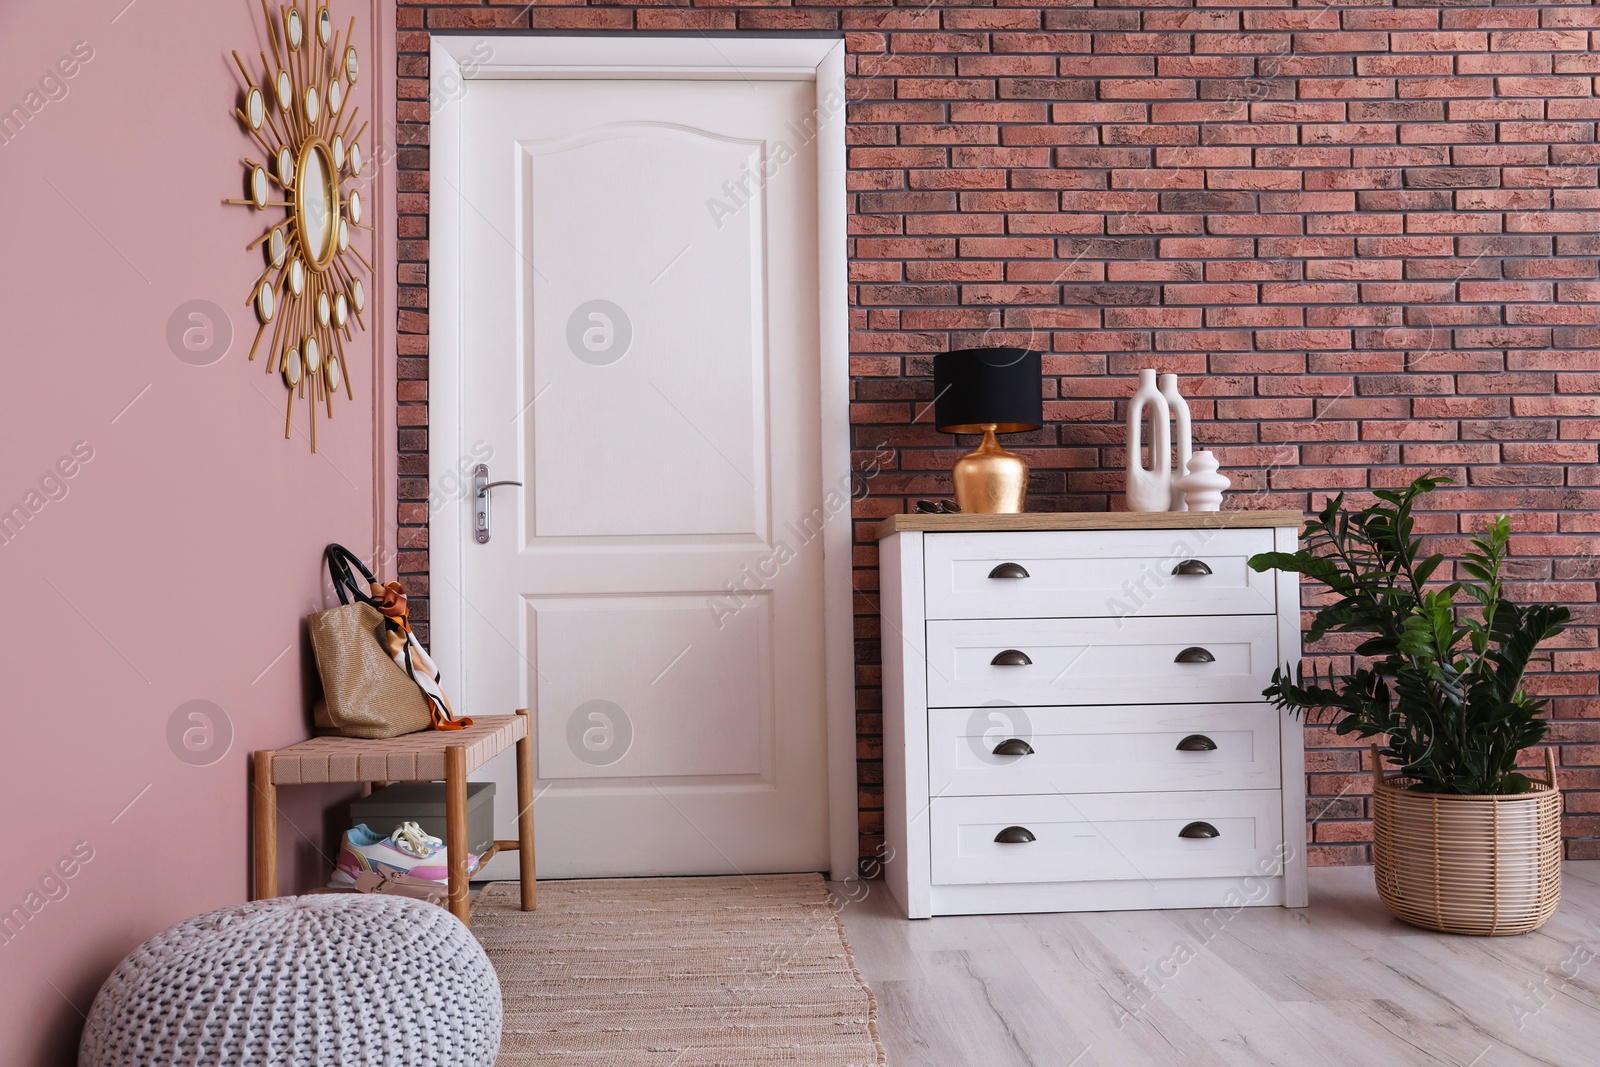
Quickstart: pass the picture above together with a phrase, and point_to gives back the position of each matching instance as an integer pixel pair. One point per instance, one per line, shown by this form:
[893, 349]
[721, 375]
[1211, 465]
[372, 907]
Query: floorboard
[1341, 983]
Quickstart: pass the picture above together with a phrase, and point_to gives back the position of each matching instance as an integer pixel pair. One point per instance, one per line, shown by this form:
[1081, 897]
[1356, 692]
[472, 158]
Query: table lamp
[989, 391]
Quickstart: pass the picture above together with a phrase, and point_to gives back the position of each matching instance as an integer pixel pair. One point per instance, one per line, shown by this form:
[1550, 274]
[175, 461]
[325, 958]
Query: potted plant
[1463, 841]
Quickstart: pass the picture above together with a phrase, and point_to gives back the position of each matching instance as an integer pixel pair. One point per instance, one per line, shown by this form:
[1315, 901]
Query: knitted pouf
[327, 979]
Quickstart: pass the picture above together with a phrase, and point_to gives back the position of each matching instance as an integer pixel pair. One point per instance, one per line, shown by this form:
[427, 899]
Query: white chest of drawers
[1072, 713]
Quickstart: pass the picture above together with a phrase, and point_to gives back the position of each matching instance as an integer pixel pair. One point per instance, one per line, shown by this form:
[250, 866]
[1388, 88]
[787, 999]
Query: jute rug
[677, 972]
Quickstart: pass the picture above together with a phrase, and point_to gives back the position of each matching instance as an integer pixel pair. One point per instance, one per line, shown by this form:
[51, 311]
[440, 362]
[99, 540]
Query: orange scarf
[390, 600]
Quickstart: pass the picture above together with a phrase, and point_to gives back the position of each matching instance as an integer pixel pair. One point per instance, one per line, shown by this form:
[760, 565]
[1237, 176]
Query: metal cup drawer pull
[1012, 658]
[1199, 830]
[1192, 568]
[1014, 835]
[1194, 654]
[1009, 570]
[1016, 746]
[1197, 743]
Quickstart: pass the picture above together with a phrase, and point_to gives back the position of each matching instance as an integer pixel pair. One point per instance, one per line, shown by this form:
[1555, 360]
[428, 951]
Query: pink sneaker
[407, 851]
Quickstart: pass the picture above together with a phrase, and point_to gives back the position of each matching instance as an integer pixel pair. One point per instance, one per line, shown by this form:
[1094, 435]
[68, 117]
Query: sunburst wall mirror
[308, 300]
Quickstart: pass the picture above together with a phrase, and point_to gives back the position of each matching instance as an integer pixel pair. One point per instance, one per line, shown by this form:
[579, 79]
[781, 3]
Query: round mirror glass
[313, 355]
[297, 276]
[286, 167]
[355, 206]
[266, 302]
[316, 199]
[296, 31]
[324, 309]
[258, 186]
[255, 106]
[352, 68]
[344, 235]
[341, 310]
[335, 95]
[332, 372]
[291, 366]
[313, 105]
[358, 295]
[275, 247]
[338, 152]
[324, 26]
[285, 91]
[355, 158]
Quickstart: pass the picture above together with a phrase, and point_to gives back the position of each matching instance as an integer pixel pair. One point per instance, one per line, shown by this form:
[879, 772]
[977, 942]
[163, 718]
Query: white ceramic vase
[1149, 489]
[1202, 487]
[1182, 442]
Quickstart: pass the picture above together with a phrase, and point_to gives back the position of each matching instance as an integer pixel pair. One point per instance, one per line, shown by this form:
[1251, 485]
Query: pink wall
[178, 561]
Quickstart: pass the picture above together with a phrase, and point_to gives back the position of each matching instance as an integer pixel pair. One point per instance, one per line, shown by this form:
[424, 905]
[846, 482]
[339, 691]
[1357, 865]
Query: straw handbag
[377, 681]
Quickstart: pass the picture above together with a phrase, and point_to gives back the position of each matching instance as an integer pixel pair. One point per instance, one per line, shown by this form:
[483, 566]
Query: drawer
[1101, 661]
[1103, 749]
[1096, 574]
[1104, 837]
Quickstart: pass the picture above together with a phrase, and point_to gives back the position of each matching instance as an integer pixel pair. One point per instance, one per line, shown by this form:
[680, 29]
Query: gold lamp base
[990, 480]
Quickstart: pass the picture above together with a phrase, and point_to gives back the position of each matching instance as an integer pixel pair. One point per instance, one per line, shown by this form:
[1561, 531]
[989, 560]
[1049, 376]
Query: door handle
[1013, 746]
[1014, 835]
[1192, 567]
[1009, 570]
[1197, 743]
[1199, 830]
[1194, 654]
[480, 501]
[1010, 658]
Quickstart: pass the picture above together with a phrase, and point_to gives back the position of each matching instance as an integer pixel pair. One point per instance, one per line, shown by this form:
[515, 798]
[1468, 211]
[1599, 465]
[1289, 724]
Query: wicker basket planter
[1485, 865]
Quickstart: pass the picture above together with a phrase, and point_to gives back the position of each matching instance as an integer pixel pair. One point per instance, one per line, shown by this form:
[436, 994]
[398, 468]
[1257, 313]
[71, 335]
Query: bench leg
[264, 828]
[455, 830]
[530, 885]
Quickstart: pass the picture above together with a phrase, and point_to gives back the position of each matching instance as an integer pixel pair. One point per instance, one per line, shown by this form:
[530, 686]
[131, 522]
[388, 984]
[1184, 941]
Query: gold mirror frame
[300, 118]
[305, 203]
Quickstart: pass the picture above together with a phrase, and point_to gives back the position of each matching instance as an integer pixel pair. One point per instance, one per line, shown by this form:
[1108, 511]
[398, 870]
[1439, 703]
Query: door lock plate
[480, 503]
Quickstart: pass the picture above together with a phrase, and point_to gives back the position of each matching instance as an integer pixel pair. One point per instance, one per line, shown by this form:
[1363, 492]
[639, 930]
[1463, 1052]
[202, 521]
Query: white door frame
[455, 61]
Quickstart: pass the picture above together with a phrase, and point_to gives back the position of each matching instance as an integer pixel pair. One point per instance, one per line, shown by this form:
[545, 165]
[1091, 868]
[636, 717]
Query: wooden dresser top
[1087, 520]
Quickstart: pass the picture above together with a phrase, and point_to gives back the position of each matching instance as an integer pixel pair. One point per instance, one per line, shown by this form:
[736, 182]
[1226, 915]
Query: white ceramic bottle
[1182, 442]
[1202, 487]
[1149, 490]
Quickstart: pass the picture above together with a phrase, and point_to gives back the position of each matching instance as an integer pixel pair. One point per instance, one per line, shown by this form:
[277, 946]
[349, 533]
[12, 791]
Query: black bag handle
[339, 559]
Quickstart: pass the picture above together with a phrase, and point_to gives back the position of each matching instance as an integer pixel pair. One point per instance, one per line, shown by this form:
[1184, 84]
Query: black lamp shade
[978, 387]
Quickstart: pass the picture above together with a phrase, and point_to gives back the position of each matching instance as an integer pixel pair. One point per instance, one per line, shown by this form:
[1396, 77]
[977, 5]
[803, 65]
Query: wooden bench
[426, 756]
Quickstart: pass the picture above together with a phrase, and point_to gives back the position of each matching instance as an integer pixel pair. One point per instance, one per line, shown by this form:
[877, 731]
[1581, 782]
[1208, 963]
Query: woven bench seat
[424, 756]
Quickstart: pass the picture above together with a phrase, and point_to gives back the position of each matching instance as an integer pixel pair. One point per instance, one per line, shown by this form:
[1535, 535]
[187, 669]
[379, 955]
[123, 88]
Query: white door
[640, 350]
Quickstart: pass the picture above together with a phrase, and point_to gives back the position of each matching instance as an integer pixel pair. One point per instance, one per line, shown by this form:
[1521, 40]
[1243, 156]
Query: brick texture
[1364, 235]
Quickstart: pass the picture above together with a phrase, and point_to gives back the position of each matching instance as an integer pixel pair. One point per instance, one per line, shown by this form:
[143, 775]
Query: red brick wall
[1364, 235]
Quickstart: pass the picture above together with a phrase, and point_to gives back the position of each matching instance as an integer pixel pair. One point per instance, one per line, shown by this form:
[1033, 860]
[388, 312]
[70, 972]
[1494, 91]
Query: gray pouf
[327, 979]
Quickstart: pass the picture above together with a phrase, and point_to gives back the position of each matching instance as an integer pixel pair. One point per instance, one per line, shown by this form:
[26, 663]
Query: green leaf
[1439, 670]
[1515, 782]
[1280, 561]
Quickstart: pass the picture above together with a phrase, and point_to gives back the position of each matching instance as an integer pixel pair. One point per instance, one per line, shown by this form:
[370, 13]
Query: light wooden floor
[1339, 983]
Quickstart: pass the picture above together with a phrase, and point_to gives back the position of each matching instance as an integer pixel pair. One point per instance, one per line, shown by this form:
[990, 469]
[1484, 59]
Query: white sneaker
[407, 851]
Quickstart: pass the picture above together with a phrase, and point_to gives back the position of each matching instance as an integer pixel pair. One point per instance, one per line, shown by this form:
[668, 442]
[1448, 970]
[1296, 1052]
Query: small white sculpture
[1149, 490]
[1183, 443]
[1202, 487]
